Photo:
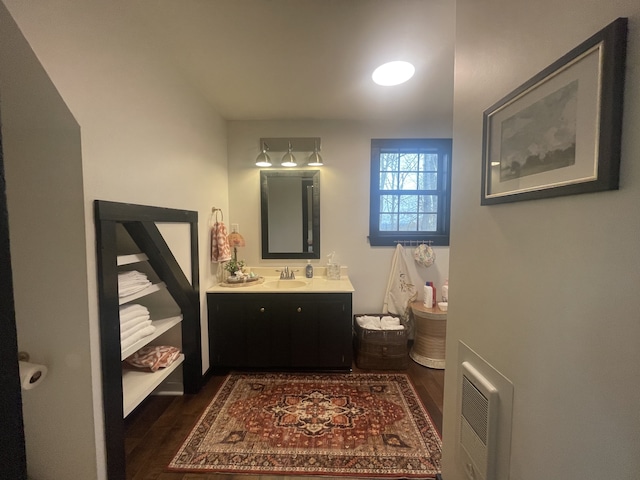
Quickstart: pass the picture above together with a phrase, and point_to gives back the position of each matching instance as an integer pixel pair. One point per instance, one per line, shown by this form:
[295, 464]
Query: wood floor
[155, 431]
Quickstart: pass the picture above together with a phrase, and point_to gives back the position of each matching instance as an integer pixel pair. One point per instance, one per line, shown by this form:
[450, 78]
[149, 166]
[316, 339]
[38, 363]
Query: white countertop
[273, 284]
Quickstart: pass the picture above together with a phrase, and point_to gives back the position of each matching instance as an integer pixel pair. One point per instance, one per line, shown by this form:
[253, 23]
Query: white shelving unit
[156, 287]
[162, 325]
[138, 384]
[128, 237]
[131, 258]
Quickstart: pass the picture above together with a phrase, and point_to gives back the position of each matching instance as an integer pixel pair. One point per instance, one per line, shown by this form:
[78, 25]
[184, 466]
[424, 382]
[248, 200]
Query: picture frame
[536, 144]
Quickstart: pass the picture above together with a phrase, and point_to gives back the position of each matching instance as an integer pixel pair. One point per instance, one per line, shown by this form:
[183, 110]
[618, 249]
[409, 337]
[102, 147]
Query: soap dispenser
[309, 270]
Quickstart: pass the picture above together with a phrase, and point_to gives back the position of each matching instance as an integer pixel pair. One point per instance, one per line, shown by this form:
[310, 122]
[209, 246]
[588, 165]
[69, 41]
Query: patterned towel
[220, 250]
[153, 357]
[401, 289]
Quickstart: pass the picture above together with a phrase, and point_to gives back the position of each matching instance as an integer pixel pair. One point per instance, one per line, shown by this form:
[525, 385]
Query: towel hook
[214, 212]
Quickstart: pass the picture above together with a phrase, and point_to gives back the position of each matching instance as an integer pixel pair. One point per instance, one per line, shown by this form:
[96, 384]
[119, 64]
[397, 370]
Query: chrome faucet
[286, 274]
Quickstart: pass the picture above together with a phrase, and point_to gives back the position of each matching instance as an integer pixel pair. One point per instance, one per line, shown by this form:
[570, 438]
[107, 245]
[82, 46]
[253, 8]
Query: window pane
[388, 203]
[429, 162]
[409, 197]
[409, 203]
[428, 222]
[388, 181]
[428, 203]
[428, 181]
[408, 181]
[409, 161]
[408, 222]
[388, 222]
[388, 162]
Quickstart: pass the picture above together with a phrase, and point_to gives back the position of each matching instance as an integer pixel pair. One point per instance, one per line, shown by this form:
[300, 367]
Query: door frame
[13, 458]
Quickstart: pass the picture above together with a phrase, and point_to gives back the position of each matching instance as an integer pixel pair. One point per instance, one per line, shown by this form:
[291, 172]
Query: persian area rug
[357, 425]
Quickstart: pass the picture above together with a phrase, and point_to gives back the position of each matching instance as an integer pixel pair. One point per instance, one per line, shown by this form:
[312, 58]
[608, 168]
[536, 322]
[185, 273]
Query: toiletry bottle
[428, 296]
[445, 291]
[308, 271]
[434, 300]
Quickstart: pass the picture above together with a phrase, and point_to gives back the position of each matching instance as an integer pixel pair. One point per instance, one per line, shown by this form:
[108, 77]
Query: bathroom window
[410, 191]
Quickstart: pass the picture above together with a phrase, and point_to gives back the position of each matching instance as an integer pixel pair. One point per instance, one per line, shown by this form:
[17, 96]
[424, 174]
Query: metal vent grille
[477, 423]
[475, 409]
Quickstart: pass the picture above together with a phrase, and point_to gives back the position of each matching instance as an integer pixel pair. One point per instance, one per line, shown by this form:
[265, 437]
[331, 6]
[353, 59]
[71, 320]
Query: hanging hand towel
[401, 290]
[220, 250]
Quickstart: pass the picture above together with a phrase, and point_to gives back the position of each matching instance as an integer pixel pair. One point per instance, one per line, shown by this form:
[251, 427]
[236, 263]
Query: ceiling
[309, 59]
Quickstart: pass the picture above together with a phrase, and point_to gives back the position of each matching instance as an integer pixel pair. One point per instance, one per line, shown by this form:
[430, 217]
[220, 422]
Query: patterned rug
[359, 425]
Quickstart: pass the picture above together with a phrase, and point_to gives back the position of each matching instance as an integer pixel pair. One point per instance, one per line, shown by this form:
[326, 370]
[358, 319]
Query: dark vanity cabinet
[303, 331]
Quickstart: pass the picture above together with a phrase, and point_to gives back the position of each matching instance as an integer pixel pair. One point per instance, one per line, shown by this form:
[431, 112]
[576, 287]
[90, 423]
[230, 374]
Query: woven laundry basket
[380, 349]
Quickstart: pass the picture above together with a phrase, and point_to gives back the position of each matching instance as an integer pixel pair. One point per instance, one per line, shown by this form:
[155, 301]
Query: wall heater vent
[478, 420]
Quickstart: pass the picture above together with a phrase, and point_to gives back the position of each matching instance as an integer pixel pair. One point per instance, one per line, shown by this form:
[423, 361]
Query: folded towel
[125, 292]
[131, 289]
[154, 357]
[131, 282]
[126, 326]
[131, 311]
[126, 343]
[131, 277]
[370, 322]
[135, 329]
[220, 249]
[393, 327]
[390, 321]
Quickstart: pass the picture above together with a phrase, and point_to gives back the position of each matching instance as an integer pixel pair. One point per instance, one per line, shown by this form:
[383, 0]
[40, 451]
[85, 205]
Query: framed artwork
[559, 133]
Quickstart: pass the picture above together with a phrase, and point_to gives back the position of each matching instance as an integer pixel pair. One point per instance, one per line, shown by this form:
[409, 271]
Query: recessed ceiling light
[393, 73]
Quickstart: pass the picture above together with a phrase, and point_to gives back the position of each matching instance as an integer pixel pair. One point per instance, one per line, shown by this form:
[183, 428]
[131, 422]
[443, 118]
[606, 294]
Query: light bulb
[393, 73]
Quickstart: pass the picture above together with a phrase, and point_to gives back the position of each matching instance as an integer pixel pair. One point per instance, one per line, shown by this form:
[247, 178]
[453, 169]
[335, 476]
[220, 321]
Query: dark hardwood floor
[155, 431]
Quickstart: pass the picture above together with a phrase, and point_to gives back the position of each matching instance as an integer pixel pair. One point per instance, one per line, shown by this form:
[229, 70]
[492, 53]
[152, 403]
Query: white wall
[546, 291]
[142, 136]
[46, 219]
[344, 197]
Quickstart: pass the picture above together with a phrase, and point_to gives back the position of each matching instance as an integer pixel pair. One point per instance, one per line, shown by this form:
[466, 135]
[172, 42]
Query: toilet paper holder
[31, 375]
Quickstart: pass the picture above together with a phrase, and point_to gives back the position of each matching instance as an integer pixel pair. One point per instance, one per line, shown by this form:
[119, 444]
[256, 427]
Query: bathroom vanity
[303, 324]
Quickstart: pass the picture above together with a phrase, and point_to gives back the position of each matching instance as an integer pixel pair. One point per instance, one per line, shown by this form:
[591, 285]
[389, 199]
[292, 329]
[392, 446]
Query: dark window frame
[440, 237]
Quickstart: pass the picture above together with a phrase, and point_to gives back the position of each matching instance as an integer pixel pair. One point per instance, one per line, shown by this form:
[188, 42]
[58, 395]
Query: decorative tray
[242, 282]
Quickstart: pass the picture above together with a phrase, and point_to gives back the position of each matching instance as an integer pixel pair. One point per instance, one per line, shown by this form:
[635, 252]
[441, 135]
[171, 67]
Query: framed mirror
[290, 213]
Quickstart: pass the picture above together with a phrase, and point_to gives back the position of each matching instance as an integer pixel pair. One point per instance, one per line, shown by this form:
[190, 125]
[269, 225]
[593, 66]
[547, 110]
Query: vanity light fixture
[315, 160]
[263, 159]
[288, 160]
[393, 73]
[290, 145]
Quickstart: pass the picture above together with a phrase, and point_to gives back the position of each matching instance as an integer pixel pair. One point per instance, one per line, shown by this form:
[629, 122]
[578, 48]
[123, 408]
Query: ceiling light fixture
[393, 73]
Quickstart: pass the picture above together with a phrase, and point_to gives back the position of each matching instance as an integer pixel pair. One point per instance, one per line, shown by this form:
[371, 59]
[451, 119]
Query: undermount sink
[284, 284]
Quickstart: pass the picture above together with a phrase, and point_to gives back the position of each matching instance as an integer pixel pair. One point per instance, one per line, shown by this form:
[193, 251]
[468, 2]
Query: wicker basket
[380, 349]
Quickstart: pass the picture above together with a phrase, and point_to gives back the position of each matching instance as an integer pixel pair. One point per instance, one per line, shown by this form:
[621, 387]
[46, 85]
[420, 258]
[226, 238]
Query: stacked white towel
[131, 282]
[135, 323]
[387, 322]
